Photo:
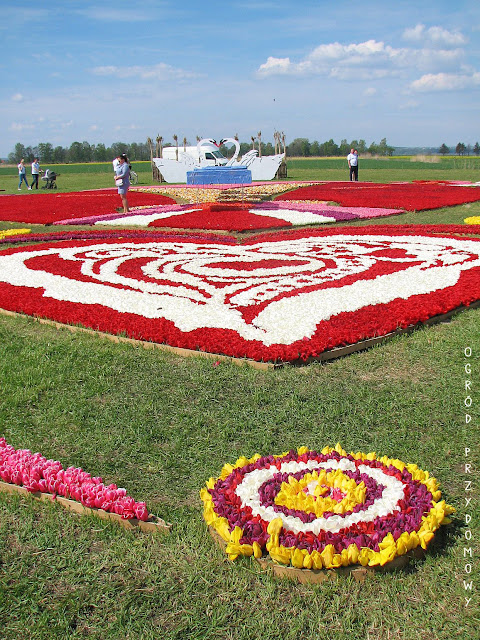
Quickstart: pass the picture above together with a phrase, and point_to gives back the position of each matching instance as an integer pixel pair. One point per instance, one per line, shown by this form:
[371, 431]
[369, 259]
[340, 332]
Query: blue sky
[122, 71]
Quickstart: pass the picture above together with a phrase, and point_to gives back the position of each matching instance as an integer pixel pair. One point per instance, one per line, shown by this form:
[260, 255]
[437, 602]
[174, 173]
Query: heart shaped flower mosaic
[281, 297]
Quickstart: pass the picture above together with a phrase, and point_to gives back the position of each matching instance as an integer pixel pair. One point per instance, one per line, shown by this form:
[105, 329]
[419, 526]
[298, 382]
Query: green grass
[75, 177]
[161, 425]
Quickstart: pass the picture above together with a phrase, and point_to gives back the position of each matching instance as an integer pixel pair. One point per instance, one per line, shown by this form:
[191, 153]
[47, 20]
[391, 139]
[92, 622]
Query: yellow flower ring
[324, 510]
[472, 220]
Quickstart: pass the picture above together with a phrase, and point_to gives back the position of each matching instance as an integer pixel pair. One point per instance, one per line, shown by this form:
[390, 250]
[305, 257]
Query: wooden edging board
[153, 524]
[331, 354]
[317, 576]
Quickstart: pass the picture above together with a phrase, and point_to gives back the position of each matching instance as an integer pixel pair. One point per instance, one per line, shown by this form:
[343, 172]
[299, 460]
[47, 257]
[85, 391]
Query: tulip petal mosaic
[35, 473]
[324, 510]
[279, 297]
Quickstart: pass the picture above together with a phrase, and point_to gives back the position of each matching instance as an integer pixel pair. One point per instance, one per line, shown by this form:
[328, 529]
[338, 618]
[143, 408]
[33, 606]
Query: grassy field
[75, 177]
[161, 425]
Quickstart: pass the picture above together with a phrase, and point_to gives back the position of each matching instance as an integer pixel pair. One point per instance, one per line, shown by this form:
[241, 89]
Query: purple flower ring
[324, 510]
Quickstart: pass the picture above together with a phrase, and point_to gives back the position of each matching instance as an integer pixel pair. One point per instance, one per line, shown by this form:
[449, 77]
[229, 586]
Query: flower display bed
[234, 216]
[46, 208]
[282, 297]
[22, 471]
[401, 195]
[324, 510]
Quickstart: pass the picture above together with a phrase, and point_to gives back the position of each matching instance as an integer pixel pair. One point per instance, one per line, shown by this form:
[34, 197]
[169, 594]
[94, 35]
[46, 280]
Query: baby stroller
[50, 179]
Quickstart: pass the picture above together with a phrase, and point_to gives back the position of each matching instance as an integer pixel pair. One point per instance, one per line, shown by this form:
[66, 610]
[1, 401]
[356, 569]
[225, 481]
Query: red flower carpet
[281, 297]
[47, 208]
[402, 195]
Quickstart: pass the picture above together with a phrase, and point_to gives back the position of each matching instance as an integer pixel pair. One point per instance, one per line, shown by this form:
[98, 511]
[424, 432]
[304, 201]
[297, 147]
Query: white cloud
[116, 15]
[446, 82]
[20, 126]
[160, 71]
[369, 59]
[17, 97]
[434, 36]
[370, 91]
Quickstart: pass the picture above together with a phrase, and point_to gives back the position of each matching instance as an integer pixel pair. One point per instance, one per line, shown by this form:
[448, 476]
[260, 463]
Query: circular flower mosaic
[324, 510]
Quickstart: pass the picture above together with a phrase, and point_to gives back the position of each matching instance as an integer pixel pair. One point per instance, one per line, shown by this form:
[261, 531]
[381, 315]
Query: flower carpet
[281, 297]
[324, 510]
[46, 208]
[233, 217]
[212, 193]
[417, 196]
[73, 488]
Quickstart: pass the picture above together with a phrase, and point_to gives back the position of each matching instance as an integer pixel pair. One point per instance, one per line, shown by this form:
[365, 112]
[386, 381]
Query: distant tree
[476, 149]
[384, 149]
[75, 152]
[362, 146]
[45, 152]
[299, 147]
[315, 148]
[118, 148]
[17, 154]
[100, 153]
[59, 155]
[267, 149]
[444, 150]
[468, 149]
[344, 148]
[460, 149]
[329, 148]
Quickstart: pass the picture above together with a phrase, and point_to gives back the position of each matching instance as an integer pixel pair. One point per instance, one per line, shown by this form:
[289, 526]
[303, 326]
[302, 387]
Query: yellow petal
[275, 526]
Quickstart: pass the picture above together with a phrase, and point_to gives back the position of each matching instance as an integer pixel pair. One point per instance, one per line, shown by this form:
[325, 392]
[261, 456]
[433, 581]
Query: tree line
[137, 151]
[461, 149]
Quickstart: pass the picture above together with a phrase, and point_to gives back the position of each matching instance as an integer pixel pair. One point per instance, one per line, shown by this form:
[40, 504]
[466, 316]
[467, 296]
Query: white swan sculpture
[206, 154]
[263, 168]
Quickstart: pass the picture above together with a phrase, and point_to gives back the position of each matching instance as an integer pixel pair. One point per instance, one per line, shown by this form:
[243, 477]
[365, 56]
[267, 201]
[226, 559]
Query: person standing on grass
[35, 173]
[352, 160]
[122, 179]
[22, 174]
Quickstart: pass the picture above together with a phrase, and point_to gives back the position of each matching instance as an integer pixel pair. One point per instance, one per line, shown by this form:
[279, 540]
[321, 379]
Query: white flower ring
[281, 297]
[324, 510]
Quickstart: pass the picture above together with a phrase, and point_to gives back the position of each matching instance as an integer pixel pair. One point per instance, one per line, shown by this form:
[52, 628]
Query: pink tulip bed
[35, 473]
[283, 297]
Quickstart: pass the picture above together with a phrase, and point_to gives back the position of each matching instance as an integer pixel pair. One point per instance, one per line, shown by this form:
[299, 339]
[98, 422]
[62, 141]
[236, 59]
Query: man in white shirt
[352, 160]
[35, 173]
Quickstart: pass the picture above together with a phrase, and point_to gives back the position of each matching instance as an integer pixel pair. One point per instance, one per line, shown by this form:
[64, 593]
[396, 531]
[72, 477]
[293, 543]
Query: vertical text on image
[468, 482]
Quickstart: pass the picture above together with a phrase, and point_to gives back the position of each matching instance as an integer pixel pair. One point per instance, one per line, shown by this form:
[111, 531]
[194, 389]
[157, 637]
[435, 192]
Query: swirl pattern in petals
[277, 298]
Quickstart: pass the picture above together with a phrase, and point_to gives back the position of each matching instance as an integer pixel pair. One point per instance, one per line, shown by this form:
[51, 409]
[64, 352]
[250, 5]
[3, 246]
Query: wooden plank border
[316, 576]
[153, 524]
[331, 354]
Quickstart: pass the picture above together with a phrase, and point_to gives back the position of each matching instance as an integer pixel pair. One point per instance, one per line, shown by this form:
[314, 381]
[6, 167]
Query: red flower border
[342, 329]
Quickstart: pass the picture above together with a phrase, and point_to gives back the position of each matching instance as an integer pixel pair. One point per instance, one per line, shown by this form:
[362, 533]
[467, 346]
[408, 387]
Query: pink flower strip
[37, 474]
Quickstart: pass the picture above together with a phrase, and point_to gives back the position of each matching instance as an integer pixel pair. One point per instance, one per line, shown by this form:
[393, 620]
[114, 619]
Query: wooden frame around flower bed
[152, 524]
[317, 576]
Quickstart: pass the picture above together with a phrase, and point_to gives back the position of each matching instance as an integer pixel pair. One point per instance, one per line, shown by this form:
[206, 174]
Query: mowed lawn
[161, 425]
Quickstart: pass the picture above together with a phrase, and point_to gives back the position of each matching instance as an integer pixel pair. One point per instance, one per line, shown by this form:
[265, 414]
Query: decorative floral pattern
[283, 297]
[396, 195]
[324, 510]
[13, 232]
[47, 208]
[37, 474]
[235, 216]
